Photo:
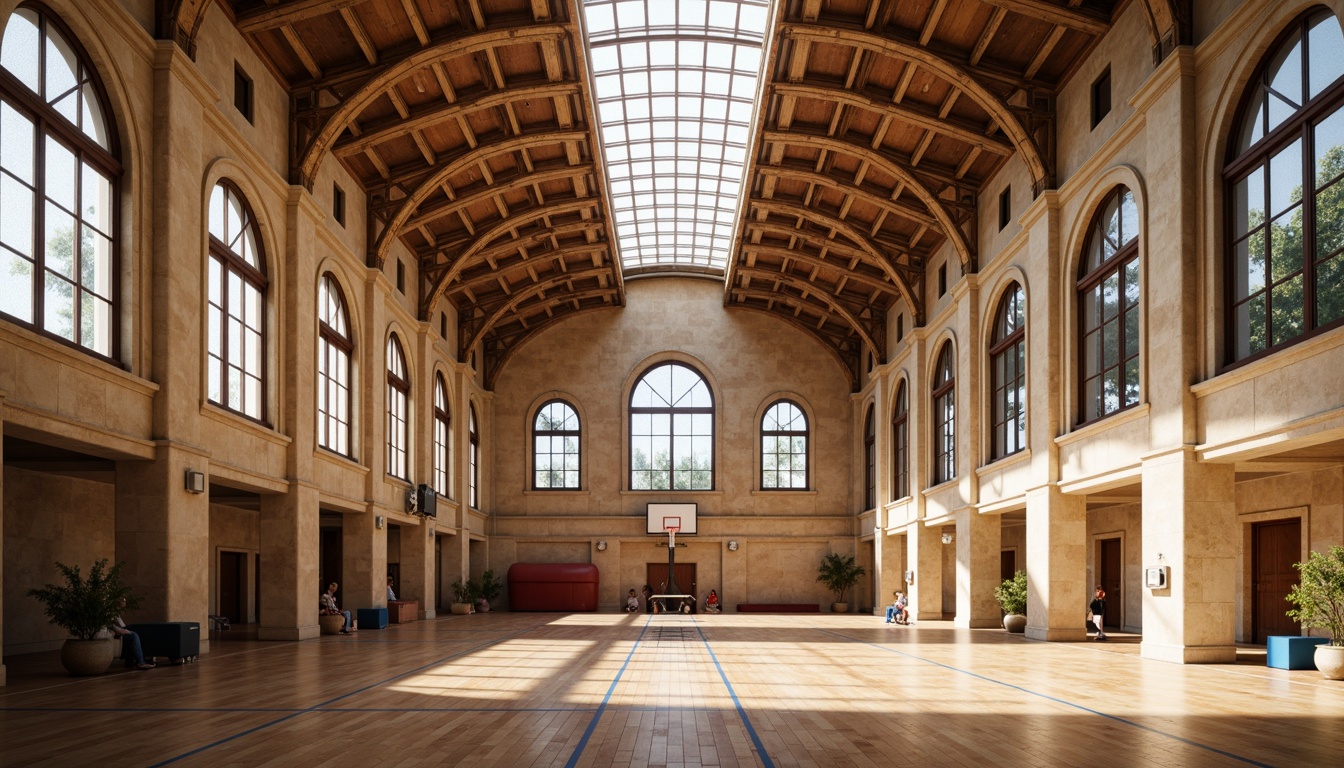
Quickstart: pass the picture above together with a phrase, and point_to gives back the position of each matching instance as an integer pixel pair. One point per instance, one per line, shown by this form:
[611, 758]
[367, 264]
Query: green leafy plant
[839, 573]
[489, 586]
[1320, 595]
[462, 591]
[1012, 594]
[85, 607]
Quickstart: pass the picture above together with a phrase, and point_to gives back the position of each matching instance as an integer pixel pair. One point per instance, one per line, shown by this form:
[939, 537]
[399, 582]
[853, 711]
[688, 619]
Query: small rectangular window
[338, 204]
[942, 280]
[242, 92]
[401, 276]
[443, 325]
[900, 328]
[1005, 207]
[1101, 97]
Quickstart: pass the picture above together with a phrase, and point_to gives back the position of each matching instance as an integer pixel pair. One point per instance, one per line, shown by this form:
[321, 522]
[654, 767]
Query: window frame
[900, 441]
[1258, 156]
[943, 396]
[48, 123]
[1012, 306]
[577, 434]
[398, 408]
[870, 458]
[805, 433]
[1116, 264]
[474, 436]
[331, 342]
[233, 263]
[443, 438]
[711, 411]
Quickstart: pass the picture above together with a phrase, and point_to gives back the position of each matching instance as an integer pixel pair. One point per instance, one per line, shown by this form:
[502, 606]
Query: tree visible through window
[784, 447]
[1286, 254]
[236, 342]
[555, 442]
[671, 431]
[1108, 309]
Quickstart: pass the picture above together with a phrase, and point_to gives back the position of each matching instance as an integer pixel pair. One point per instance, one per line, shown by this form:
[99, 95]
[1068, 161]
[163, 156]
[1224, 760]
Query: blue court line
[592, 724]
[293, 715]
[1064, 702]
[741, 712]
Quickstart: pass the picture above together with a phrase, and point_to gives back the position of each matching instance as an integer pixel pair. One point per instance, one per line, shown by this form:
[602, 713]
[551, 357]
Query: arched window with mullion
[1285, 194]
[335, 349]
[59, 176]
[1007, 364]
[443, 437]
[555, 443]
[237, 305]
[398, 410]
[1108, 309]
[671, 430]
[869, 460]
[944, 417]
[474, 437]
[784, 447]
[900, 439]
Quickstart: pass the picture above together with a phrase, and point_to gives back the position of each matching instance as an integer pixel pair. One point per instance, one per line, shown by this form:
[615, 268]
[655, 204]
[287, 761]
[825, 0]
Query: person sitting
[130, 642]
[391, 596]
[330, 608]
[632, 603]
[712, 602]
[898, 612]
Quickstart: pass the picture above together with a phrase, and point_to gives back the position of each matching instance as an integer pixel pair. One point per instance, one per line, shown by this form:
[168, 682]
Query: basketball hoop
[672, 524]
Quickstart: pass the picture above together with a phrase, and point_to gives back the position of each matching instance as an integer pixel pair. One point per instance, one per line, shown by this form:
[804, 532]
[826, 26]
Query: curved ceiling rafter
[495, 359]
[518, 298]
[180, 21]
[431, 181]
[780, 252]
[844, 188]
[872, 338]
[373, 81]
[1042, 174]
[498, 186]
[531, 239]
[535, 260]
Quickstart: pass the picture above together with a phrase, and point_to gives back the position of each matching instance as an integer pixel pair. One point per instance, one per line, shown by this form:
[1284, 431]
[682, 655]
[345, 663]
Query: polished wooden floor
[501, 689]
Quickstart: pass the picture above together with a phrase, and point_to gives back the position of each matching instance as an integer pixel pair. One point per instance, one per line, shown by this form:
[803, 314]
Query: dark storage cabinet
[179, 641]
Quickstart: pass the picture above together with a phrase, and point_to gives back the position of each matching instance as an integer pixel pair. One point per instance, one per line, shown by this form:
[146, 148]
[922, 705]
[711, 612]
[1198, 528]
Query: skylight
[675, 84]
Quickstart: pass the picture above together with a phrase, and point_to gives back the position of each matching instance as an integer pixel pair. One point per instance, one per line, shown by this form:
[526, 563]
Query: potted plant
[839, 573]
[85, 608]
[1012, 597]
[1320, 603]
[487, 589]
[462, 597]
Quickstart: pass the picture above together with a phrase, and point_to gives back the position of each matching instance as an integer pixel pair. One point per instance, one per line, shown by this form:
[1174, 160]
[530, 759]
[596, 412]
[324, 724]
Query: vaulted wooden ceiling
[469, 124]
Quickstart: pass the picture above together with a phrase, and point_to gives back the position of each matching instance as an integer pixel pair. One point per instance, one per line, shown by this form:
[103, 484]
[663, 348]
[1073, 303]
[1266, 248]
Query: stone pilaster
[1057, 588]
[418, 566]
[978, 546]
[924, 548]
[290, 583]
[363, 562]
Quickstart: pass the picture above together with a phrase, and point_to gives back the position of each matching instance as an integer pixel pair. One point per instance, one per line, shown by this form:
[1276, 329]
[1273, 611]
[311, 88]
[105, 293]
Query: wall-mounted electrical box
[1157, 576]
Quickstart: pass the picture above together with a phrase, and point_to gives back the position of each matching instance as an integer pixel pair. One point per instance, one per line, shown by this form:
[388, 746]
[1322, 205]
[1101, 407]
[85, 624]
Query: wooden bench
[403, 611]
[778, 608]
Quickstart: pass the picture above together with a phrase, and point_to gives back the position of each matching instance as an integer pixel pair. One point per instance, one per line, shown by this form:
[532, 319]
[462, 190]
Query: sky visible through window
[675, 84]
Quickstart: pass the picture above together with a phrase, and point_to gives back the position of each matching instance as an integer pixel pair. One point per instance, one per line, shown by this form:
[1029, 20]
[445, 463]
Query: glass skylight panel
[675, 84]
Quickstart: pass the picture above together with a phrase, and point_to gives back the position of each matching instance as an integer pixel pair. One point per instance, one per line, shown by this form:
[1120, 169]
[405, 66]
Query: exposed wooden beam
[538, 259]
[276, 16]
[780, 252]
[1094, 24]
[866, 195]
[500, 186]
[555, 282]
[361, 35]
[301, 51]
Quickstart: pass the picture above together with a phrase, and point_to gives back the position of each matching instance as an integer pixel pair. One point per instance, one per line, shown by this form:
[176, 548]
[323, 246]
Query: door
[1110, 567]
[656, 573]
[1007, 564]
[1274, 548]
[231, 586]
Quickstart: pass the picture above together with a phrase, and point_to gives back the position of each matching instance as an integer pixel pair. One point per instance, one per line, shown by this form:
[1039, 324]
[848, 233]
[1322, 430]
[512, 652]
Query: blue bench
[372, 618]
[1292, 652]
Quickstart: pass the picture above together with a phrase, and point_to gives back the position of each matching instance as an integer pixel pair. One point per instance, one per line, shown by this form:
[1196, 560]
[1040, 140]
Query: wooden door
[656, 573]
[1110, 567]
[1274, 548]
[231, 586]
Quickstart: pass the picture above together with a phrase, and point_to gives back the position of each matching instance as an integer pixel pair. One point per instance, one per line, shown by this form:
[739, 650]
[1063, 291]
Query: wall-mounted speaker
[426, 500]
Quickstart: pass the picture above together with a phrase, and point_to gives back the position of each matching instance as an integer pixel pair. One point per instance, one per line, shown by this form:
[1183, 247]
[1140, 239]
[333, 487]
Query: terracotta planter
[461, 609]
[1015, 623]
[1330, 661]
[839, 607]
[86, 657]
[331, 623]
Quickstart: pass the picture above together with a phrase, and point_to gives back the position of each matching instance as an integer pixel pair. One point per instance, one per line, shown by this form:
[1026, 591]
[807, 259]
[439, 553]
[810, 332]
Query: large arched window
[398, 409]
[671, 430]
[474, 437]
[1108, 309]
[58, 187]
[555, 447]
[443, 436]
[237, 305]
[900, 441]
[945, 417]
[1008, 369]
[334, 349]
[869, 461]
[784, 447]
[1285, 195]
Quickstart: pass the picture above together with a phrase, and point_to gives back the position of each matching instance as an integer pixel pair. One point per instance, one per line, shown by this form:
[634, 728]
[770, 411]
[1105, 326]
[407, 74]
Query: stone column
[289, 573]
[1057, 588]
[893, 555]
[363, 562]
[418, 566]
[924, 549]
[978, 543]
[1190, 525]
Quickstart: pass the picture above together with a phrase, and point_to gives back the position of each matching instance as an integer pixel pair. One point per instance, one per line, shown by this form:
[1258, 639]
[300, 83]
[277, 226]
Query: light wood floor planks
[503, 689]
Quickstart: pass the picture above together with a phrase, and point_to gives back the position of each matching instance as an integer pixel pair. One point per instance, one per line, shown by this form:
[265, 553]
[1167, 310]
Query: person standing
[331, 608]
[1098, 609]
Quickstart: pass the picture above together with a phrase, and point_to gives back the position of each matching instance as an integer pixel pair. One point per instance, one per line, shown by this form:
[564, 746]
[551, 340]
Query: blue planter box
[372, 618]
[1291, 652]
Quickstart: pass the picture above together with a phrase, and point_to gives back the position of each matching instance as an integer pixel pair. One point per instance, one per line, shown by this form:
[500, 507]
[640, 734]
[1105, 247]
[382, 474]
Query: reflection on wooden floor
[502, 689]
